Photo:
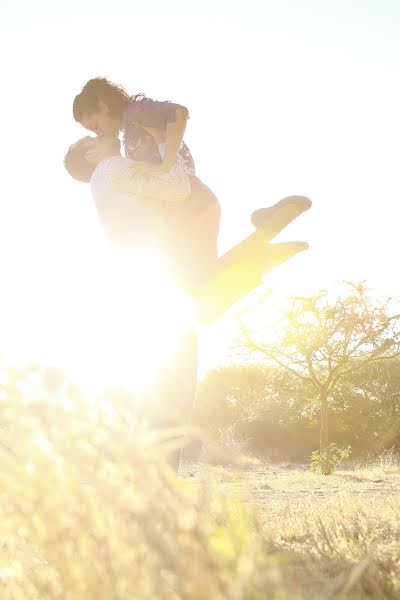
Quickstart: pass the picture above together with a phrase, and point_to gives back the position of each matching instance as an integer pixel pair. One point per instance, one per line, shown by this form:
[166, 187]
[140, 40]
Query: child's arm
[174, 137]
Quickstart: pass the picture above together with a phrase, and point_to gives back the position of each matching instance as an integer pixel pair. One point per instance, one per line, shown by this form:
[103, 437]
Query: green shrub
[326, 462]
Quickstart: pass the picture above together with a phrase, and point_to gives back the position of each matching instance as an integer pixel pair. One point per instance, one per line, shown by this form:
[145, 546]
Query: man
[187, 232]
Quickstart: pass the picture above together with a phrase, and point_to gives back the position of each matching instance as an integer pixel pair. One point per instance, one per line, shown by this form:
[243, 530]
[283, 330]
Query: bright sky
[285, 97]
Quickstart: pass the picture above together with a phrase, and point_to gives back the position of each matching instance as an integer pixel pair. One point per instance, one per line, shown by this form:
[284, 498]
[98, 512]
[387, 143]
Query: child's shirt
[139, 144]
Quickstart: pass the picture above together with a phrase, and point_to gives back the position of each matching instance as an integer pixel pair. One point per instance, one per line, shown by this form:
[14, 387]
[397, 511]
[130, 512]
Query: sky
[284, 96]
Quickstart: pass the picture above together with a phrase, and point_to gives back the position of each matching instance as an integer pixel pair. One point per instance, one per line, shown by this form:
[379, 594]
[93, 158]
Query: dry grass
[89, 512]
[346, 546]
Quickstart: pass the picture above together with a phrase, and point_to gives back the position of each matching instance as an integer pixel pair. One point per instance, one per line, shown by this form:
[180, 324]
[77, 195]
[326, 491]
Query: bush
[326, 462]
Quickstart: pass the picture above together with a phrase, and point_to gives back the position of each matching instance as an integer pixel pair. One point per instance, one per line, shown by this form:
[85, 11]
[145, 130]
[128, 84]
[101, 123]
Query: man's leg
[171, 405]
[180, 389]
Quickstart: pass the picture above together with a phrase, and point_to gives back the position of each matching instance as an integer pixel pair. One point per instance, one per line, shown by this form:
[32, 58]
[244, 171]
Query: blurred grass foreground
[90, 511]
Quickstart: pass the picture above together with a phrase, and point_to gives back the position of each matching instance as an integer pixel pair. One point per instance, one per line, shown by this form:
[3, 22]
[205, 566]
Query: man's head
[100, 106]
[83, 156]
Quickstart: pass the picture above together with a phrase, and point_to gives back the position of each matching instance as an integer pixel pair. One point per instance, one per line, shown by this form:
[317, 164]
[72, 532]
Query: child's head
[100, 106]
[83, 156]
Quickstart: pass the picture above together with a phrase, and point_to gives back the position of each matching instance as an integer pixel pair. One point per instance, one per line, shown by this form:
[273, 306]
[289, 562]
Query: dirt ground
[293, 483]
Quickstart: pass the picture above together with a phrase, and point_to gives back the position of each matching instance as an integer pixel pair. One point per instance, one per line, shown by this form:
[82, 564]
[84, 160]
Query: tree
[261, 404]
[322, 340]
[367, 406]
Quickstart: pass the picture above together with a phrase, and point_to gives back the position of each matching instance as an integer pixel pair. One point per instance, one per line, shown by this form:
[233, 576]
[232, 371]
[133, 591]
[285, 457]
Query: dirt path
[295, 483]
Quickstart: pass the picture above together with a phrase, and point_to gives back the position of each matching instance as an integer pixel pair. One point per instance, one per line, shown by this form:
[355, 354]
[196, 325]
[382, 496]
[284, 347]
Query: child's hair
[100, 88]
[76, 164]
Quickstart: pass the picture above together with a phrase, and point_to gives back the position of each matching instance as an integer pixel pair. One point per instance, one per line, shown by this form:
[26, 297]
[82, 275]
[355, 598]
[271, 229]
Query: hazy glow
[135, 315]
[118, 327]
[296, 96]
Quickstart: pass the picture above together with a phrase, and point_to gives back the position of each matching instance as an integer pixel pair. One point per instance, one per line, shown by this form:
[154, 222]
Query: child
[106, 109]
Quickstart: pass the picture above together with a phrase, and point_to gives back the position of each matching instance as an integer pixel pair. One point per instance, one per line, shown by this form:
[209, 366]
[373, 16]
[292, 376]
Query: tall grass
[90, 511]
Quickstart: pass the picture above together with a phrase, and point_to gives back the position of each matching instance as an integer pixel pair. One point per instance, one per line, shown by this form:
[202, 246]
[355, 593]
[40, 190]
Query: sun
[119, 329]
[137, 314]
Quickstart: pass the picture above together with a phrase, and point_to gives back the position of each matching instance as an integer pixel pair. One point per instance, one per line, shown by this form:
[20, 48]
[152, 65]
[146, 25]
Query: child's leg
[240, 271]
[192, 231]
[172, 186]
[276, 217]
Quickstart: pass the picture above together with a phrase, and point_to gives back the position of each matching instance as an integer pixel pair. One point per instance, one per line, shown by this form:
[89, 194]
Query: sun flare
[118, 329]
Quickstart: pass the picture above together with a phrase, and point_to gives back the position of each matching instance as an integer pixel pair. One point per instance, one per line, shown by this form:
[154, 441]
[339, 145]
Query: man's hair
[101, 89]
[76, 164]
